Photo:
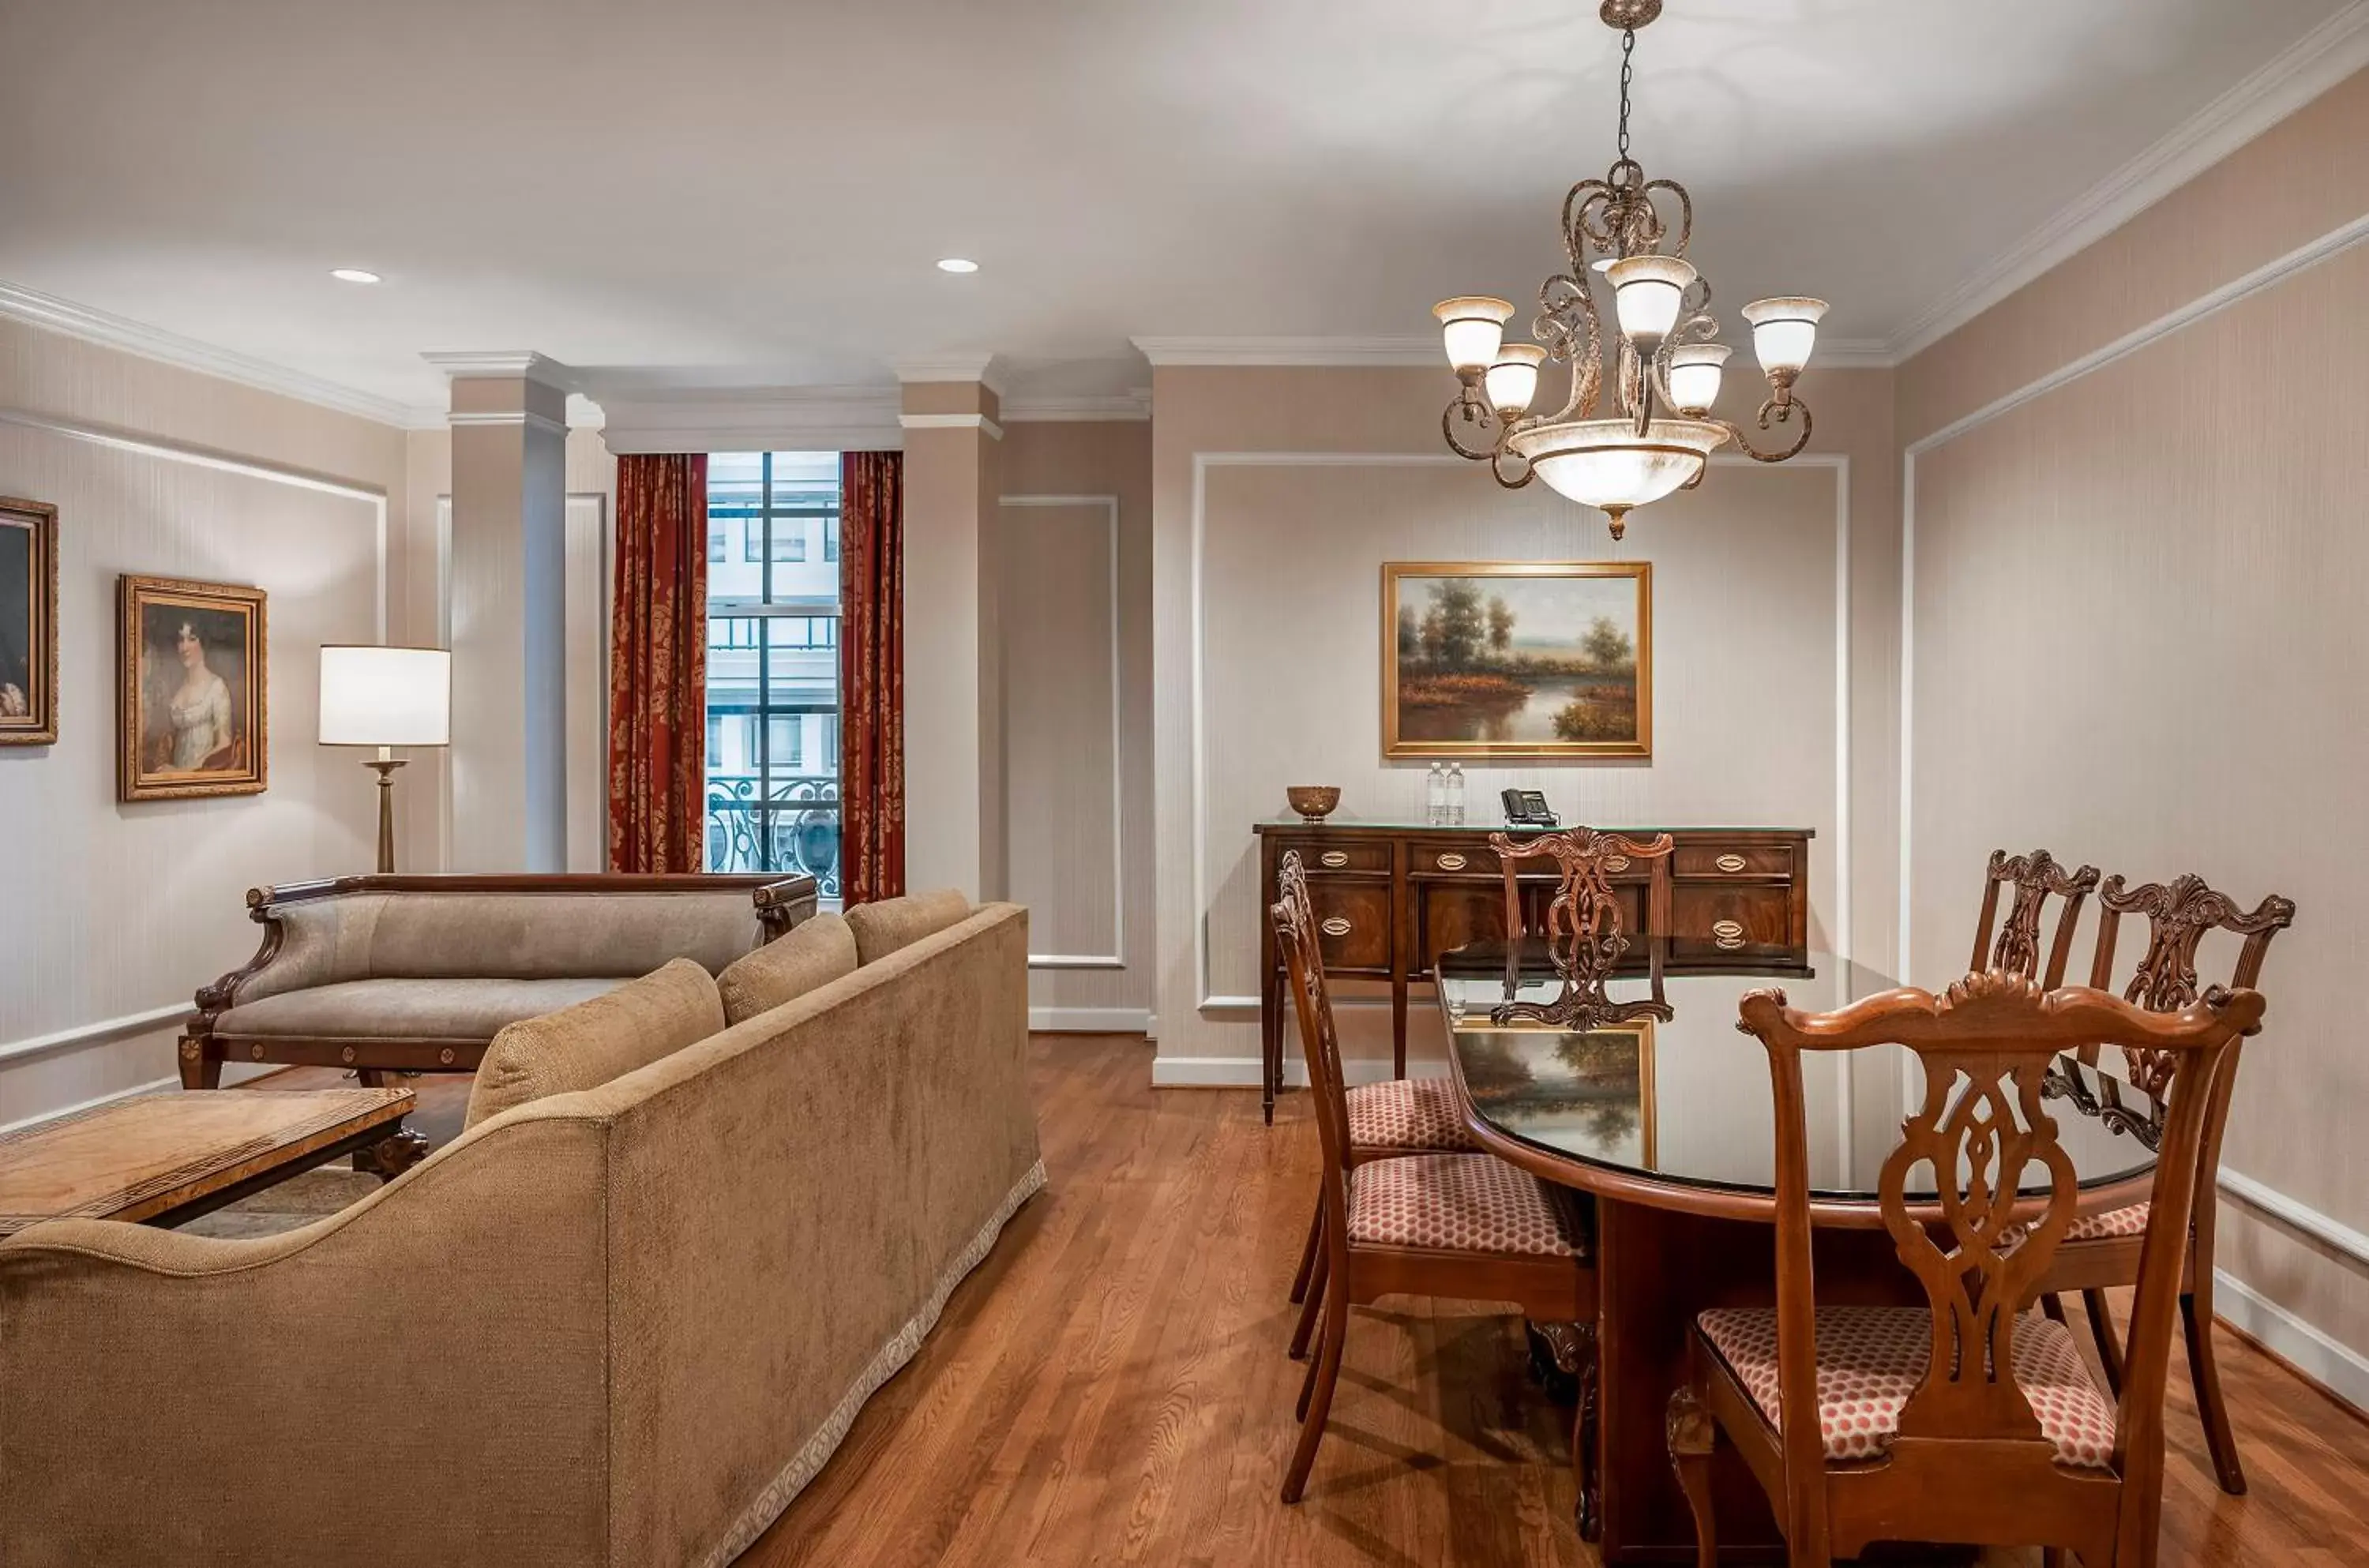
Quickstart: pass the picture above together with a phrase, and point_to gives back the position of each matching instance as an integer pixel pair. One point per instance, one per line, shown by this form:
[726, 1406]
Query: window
[772, 666]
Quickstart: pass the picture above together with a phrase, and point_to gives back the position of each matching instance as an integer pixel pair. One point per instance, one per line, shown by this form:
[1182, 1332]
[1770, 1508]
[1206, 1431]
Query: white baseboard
[2337, 1368]
[1091, 1020]
[1242, 1072]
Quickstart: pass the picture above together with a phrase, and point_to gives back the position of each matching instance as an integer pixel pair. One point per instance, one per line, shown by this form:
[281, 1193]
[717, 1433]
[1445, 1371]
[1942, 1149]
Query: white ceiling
[752, 192]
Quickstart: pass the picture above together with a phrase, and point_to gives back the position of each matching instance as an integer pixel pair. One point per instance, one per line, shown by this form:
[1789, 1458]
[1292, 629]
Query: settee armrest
[315, 933]
[167, 1398]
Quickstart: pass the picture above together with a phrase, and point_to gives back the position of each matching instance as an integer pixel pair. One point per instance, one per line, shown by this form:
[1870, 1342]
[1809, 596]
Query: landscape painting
[1590, 1092]
[1517, 659]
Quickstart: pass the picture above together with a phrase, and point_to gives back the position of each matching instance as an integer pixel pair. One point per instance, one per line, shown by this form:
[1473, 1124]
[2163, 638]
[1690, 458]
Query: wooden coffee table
[166, 1159]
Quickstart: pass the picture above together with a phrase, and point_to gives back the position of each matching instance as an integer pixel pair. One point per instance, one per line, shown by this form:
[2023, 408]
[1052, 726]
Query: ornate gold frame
[40, 726]
[1642, 572]
[133, 594]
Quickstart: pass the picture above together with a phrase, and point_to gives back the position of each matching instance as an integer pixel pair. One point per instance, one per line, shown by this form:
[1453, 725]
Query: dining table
[1639, 1091]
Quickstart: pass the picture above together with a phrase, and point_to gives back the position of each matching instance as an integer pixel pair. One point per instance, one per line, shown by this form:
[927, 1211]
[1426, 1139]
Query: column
[953, 688]
[508, 581]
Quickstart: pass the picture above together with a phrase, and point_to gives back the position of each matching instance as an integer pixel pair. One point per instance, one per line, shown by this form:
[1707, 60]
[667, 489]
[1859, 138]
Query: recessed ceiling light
[355, 275]
[957, 264]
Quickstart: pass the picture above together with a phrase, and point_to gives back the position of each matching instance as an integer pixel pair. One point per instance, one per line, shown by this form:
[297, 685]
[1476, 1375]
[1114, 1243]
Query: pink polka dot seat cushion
[1407, 1112]
[1872, 1358]
[1473, 1203]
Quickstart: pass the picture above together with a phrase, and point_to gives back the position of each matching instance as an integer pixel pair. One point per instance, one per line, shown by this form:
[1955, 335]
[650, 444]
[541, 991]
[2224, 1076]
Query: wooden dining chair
[1583, 929]
[1395, 1117]
[1966, 1420]
[2033, 880]
[2103, 1250]
[1464, 1226]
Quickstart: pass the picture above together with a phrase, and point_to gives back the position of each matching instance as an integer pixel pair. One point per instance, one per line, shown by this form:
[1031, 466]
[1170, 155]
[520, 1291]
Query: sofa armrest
[167, 1398]
[315, 933]
[785, 904]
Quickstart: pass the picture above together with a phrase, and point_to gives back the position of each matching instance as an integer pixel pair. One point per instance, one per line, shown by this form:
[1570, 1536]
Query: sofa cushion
[474, 1010]
[585, 1045]
[882, 928]
[815, 953]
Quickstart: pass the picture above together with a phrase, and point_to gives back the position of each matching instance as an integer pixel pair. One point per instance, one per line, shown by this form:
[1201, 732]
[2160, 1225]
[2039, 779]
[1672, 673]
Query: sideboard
[1391, 897]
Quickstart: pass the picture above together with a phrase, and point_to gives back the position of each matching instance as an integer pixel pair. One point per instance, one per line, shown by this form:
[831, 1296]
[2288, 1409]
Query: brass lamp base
[384, 765]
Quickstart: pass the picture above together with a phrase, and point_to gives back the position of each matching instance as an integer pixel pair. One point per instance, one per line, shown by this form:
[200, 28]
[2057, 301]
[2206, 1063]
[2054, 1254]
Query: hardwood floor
[1110, 1386]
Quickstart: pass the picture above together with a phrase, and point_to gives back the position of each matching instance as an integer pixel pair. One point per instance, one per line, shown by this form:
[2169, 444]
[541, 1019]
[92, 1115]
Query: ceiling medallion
[1666, 359]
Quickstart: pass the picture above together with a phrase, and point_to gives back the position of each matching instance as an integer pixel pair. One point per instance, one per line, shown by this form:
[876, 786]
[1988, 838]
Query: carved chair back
[1583, 931]
[1985, 1046]
[2180, 914]
[1295, 930]
[2033, 879]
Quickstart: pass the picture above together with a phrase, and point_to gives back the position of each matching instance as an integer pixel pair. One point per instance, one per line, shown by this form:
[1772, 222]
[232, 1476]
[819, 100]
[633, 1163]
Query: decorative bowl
[1313, 802]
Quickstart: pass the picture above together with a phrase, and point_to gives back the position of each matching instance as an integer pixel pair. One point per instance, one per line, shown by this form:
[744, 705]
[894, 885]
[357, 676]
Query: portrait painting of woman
[29, 624]
[193, 694]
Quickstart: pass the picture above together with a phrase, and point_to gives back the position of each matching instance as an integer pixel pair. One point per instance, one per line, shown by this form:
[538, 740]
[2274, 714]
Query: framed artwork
[29, 624]
[191, 705]
[1517, 659]
[1588, 1091]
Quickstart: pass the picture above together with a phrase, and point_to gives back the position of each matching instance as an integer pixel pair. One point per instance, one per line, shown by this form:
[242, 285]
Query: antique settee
[615, 1323]
[418, 973]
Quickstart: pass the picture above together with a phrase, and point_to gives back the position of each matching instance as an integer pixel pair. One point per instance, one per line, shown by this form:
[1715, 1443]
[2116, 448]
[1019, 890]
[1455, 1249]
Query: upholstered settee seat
[407, 1009]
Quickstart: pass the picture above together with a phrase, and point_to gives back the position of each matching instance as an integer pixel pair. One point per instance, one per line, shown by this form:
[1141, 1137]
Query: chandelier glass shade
[1661, 363]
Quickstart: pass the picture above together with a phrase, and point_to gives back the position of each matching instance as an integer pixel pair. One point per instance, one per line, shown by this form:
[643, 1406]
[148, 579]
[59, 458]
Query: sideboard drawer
[1455, 860]
[1352, 923]
[1317, 856]
[1714, 861]
[1747, 914]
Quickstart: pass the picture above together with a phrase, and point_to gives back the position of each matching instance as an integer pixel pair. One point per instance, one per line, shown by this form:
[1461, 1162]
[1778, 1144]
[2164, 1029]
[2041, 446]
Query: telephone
[1527, 808]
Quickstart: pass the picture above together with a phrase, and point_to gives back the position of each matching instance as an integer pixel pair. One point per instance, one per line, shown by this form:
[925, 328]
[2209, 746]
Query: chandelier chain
[1628, 49]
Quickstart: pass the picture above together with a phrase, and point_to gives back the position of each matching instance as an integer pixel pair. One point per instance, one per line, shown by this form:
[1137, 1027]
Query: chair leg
[2053, 1305]
[1327, 1371]
[1307, 1379]
[1308, 1255]
[1312, 1305]
[1692, 1435]
[2219, 1439]
[2109, 1345]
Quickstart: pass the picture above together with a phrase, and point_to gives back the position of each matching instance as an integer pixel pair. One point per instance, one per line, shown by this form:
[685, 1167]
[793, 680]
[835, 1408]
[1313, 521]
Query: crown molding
[993, 431]
[773, 418]
[2313, 63]
[47, 311]
[1135, 405]
[503, 364]
[985, 369]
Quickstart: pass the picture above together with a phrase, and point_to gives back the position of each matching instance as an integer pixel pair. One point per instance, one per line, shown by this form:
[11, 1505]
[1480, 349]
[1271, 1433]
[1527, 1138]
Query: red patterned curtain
[658, 664]
[872, 675]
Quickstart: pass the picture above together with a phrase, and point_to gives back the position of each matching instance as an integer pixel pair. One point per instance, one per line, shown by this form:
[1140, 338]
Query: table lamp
[386, 697]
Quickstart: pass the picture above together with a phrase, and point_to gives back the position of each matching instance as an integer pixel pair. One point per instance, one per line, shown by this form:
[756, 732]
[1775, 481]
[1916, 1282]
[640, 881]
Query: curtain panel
[658, 664]
[872, 675]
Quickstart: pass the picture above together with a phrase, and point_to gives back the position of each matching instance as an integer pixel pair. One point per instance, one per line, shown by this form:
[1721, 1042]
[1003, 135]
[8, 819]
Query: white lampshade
[1513, 380]
[1647, 292]
[1695, 370]
[1603, 463]
[1783, 331]
[386, 696]
[1473, 325]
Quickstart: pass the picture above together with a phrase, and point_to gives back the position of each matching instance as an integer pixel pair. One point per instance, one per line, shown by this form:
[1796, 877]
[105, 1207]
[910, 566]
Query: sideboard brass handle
[1731, 862]
[1615, 862]
[1334, 858]
[1451, 862]
[1727, 934]
[1338, 926]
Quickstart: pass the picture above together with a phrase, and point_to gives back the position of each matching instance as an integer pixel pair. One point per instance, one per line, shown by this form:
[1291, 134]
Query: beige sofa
[417, 973]
[622, 1325]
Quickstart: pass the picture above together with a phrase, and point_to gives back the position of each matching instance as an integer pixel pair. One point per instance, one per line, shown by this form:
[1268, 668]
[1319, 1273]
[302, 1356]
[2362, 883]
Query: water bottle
[1456, 795]
[1434, 798]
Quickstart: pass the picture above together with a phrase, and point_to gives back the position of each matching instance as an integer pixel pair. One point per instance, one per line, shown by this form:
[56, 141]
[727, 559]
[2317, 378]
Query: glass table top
[1686, 1100]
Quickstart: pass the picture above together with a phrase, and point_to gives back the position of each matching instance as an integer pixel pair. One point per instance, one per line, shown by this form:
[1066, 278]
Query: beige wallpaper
[1078, 761]
[109, 911]
[2136, 640]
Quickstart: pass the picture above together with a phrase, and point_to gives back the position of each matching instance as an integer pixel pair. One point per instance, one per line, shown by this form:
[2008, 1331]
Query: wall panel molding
[1116, 958]
[1230, 1007]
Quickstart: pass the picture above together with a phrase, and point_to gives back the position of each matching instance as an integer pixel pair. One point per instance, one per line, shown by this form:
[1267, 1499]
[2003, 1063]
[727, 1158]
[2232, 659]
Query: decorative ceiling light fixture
[1666, 359]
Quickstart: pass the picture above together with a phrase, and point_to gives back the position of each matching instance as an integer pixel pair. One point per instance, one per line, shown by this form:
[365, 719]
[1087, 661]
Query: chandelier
[1666, 359]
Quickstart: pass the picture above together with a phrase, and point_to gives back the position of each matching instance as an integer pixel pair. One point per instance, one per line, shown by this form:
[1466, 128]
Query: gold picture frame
[29, 622]
[1610, 1069]
[193, 690]
[1508, 660]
